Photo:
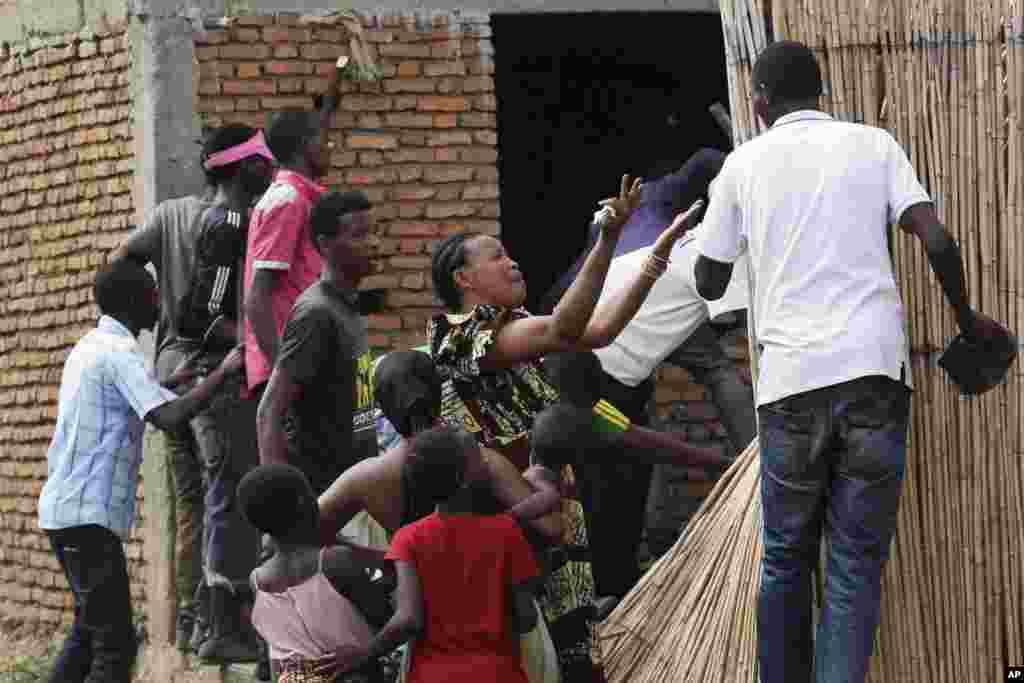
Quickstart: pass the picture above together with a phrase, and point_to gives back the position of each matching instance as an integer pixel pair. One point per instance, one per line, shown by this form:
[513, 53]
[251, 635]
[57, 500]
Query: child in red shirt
[474, 570]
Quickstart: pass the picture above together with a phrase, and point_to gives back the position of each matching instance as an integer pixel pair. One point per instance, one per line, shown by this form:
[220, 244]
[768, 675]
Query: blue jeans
[832, 464]
[102, 644]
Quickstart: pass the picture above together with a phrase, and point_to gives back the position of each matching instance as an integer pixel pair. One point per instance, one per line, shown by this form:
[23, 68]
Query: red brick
[410, 263]
[253, 19]
[482, 65]
[450, 210]
[446, 120]
[486, 102]
[403, 299]
[487, 174]
[280, 34]
[251, 87]
[415, 281]
[413, 139]
[246, 51]
[296, 68]
[365, 176]
[413, 229]
[451, 137]
[404, 102]
[486, 137]
[444, 68]
[328, 35]
[371, 158]
[370, 121]
[478, 155]
[442, 103]
[207, 52]
[404, 50]
[372, 141]
[408, 69]
[410, 154]
[378, 36]
[321, 51]
[407, 211]
[480, 192]
[366, 103]
[408, 120]
[247, 104]
[209, 87]
[379, 341]
[478, 84]
[447, 49]
[246, 35]
[285, 51]
[249, 70]
[343, 159]
[407, 174]
[478, 119]
[379, 281]
[290, 85]
[418, 85]
[291, 102]
[446, 154]
[447, 174]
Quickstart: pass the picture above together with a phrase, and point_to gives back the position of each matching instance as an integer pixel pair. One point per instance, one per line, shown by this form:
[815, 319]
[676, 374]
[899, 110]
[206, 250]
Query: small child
[473, 570]
[310, 602]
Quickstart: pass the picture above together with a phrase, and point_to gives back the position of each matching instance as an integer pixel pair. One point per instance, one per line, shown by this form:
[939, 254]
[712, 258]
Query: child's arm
[509, 487]
[544, 500]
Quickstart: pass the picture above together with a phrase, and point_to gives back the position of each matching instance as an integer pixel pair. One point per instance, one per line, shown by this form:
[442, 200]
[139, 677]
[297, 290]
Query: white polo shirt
[811, 200]
[672, 311]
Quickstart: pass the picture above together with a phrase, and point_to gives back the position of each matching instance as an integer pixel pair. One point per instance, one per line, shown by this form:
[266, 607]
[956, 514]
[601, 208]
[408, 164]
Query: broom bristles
[690, 618]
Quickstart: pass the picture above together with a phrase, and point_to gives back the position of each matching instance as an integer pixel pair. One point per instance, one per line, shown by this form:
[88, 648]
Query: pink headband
[254, 146]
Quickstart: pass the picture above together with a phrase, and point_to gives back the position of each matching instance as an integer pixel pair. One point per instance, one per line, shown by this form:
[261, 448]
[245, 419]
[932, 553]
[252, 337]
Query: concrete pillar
[167, 153]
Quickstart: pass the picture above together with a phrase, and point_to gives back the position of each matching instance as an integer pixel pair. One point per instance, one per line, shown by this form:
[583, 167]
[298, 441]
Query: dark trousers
[226, 436]
[102, 645]
[615, 499]
[831, 464]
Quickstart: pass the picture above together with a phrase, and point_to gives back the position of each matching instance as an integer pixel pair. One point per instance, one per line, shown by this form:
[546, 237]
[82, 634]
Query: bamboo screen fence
[946, 78]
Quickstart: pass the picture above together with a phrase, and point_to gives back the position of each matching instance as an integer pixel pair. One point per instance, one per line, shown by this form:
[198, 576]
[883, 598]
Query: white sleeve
[721, 237]
[138, 386]
[905, 190]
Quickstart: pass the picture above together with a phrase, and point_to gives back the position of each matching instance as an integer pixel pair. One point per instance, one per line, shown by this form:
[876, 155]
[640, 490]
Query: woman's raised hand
[679, 227]
[621, 206]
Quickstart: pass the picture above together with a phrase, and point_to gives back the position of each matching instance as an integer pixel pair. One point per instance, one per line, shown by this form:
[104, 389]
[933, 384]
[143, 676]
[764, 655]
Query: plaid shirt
[93, 460]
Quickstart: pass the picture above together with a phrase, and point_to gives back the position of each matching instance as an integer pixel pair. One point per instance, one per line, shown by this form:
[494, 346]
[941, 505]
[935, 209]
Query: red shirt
[466, 564]
[279, 240]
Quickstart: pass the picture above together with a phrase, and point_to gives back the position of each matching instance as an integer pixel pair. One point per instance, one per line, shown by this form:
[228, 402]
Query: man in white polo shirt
[810, 201]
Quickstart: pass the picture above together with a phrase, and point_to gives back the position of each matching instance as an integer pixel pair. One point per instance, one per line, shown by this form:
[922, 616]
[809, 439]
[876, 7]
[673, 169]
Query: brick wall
[66, 163]
[421, 142]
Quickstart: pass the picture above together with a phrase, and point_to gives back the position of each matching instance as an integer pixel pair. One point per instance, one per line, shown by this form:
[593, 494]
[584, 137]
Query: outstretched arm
[530, 338]
[615, 311]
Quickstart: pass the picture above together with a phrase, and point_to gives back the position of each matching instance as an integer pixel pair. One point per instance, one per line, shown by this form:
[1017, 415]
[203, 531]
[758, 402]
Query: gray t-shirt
[325, 350]
[168, 238]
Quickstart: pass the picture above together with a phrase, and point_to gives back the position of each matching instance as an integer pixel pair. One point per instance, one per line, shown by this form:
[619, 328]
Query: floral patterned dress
[504, 403]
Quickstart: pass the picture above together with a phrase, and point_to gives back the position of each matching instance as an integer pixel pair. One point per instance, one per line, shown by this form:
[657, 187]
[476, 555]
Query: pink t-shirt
[279, 240]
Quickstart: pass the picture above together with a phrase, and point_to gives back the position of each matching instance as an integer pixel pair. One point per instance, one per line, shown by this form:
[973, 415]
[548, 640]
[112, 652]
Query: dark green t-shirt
[324, 350]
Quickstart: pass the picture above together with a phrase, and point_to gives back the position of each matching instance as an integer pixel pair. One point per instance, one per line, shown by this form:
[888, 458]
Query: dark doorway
[583, 98]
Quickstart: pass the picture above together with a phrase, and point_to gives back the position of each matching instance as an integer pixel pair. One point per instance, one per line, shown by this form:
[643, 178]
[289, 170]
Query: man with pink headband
[196, 245]
[281, 261]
